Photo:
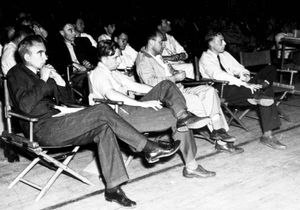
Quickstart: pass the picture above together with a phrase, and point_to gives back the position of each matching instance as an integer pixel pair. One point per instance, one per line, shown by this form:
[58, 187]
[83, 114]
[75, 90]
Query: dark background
[10, 8]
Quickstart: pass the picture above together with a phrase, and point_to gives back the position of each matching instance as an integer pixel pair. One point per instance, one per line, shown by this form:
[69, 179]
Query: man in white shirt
[128, 54]
[79, 29]
[8, 59]
[162, 106]
[173, 52]
[216, 63]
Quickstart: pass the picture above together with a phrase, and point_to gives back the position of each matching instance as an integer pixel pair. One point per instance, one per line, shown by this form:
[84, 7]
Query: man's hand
[252, 87]
[45, 72]
[78, 68]
[57, 78]
[180, 76]
[155, 104]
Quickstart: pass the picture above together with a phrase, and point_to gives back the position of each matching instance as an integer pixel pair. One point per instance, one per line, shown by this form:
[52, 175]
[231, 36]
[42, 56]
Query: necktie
[222, 67]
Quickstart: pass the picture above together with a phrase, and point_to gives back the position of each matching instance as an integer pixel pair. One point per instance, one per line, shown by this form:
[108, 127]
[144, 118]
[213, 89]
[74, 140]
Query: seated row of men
[38, 90]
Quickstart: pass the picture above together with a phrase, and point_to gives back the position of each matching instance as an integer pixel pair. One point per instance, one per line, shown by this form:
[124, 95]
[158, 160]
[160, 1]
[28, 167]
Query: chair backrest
[196, 69]
[256, 58]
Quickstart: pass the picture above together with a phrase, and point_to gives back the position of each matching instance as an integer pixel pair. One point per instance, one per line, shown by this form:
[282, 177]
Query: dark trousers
[238, 96]
[99, 124]
[150, 120]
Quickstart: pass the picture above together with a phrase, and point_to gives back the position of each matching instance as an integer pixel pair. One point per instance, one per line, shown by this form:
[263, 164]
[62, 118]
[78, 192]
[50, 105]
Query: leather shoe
[272, 141]
[199, 172]
[222, 135]
[229, 148]
[119, 197]
[162, 150]
[192, 121]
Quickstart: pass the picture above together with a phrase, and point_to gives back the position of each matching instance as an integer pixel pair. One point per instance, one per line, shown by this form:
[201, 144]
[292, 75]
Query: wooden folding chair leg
[240, 123]
[23, 173]
[128, 160]
[61, 167]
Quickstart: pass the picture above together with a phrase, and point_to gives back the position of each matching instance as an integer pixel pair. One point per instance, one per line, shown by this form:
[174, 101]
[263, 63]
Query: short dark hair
[211, 34]
[28, 42]
[106, 48]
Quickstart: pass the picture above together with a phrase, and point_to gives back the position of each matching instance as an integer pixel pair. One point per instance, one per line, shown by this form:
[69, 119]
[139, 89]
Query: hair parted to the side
[28, 42]
[106, 48]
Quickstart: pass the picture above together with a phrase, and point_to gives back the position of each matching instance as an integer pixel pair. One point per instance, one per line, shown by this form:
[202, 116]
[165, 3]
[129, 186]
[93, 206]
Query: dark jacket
[60, 58]
[32, 96]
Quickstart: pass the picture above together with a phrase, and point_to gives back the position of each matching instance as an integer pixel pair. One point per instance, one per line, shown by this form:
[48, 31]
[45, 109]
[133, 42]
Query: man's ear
[116, 39]
[26, 57]
[61, 32]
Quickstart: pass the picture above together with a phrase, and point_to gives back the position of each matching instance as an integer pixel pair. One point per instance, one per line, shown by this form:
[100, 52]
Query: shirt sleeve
[100, 83]
[147, 74]
[210, 68]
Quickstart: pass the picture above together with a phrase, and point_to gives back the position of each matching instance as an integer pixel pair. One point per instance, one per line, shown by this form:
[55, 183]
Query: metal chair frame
[29, 145]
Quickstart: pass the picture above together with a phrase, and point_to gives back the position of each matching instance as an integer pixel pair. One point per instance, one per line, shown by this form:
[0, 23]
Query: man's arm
[117, 96]
[147, 74]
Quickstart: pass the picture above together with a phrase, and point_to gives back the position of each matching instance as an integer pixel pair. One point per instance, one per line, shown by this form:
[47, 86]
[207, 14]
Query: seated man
[158, 109]
[173, 52]
[36, 90]
[128, 54]
[202, 100]
[216, 63]
[66, 50]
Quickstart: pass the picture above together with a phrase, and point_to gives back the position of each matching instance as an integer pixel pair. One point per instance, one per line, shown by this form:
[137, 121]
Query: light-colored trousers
[203, 100]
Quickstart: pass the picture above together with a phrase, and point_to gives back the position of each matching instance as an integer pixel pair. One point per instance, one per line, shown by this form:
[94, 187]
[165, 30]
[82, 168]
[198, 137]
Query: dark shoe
[199, 172]
[162, 150]
[229, 148]
[10, 154]
[119, 197]
[222, 135]
[272, 142]
[192, 121]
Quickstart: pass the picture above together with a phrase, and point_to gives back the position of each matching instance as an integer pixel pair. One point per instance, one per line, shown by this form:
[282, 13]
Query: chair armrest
[73, 105]
[107, 101]
[21, 116]
[204, 81]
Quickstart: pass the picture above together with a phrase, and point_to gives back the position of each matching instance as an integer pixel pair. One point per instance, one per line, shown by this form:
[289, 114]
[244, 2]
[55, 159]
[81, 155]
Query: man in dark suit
[36, 90]
[66, 51]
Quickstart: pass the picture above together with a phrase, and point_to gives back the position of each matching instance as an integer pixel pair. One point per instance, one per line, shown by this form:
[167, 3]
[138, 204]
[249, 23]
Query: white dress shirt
[8, 57]
[128, 57]
[210, 68]
[102, 80]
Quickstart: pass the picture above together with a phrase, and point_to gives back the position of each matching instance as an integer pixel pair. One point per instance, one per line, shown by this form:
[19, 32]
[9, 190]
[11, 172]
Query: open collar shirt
[103, 80]
[210, 68]
[8, 57]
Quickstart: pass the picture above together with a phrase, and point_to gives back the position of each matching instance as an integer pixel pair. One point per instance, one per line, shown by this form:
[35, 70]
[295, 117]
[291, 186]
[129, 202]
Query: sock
[113, 189]
[150, 146]
[192, 165]
[181, 114]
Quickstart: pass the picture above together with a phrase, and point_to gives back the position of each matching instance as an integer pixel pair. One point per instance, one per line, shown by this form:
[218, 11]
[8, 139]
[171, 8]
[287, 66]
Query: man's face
[36, 57]
[68, 32]
[165, 25]
[122, 41]
[79, 25]
[157, 44]
[111, 28]
[218, 44]
[112, 62]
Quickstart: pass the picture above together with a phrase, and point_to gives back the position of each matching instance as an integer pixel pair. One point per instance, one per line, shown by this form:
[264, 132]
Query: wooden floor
[260, 178]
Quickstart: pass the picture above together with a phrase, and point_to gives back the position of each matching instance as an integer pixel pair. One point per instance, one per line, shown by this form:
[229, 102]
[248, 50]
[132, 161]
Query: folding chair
[259, 58]
[59, 162]
[233, 118]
